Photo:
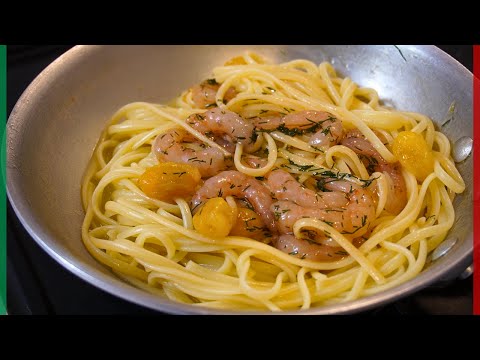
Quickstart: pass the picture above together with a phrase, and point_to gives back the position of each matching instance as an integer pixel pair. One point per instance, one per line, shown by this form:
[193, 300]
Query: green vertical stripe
[3, 203]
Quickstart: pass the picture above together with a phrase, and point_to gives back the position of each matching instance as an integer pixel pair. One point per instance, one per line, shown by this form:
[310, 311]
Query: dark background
[36, 284]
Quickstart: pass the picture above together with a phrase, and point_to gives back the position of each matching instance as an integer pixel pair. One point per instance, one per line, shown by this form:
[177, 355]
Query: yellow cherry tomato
[413, 152]
[237, 60]
[168, 181]
[215, 218]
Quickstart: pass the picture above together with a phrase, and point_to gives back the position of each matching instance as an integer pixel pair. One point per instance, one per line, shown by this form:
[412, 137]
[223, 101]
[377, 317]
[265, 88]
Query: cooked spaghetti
[268, 187]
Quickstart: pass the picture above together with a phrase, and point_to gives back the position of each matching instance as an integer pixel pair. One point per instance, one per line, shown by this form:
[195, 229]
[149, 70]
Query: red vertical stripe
[476, 179]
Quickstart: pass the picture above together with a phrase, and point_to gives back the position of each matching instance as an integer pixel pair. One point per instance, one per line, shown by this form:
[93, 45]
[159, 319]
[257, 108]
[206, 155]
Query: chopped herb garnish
[316, 148]
[276, 212]
[326, 131]
[300, 167]
[446, 122]
[364, 220]
[293, 252]
[332, 174]
[370, 162]
[311, 234]
[253, 137]
[212, 82]
[248, 204]
[353, 232]
[321, 185]
[200, 117]
[400, 51]
[290, 132]
[193, 209]
[450, 114]
[367, 183]
[297, 131]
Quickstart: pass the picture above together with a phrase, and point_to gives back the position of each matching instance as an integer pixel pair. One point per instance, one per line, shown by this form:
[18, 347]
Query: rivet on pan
[466, 273]
[462, 148]
[443, 248]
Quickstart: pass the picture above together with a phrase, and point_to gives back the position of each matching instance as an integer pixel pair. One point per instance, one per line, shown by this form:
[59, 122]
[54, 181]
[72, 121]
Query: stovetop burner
[36, 284]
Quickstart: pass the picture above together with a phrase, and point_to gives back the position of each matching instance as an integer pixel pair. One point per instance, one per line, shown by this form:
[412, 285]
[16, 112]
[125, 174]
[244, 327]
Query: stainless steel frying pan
[54, 127]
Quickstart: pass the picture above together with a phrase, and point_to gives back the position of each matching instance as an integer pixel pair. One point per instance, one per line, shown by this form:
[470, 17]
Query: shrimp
[284, 186]
[327, 129]
[236, 184]
[204, 94]
[307, 249]
[346, 206]
[397, 194]
[255, 161]
[172, 146]
[225, 127]
[351, 220]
